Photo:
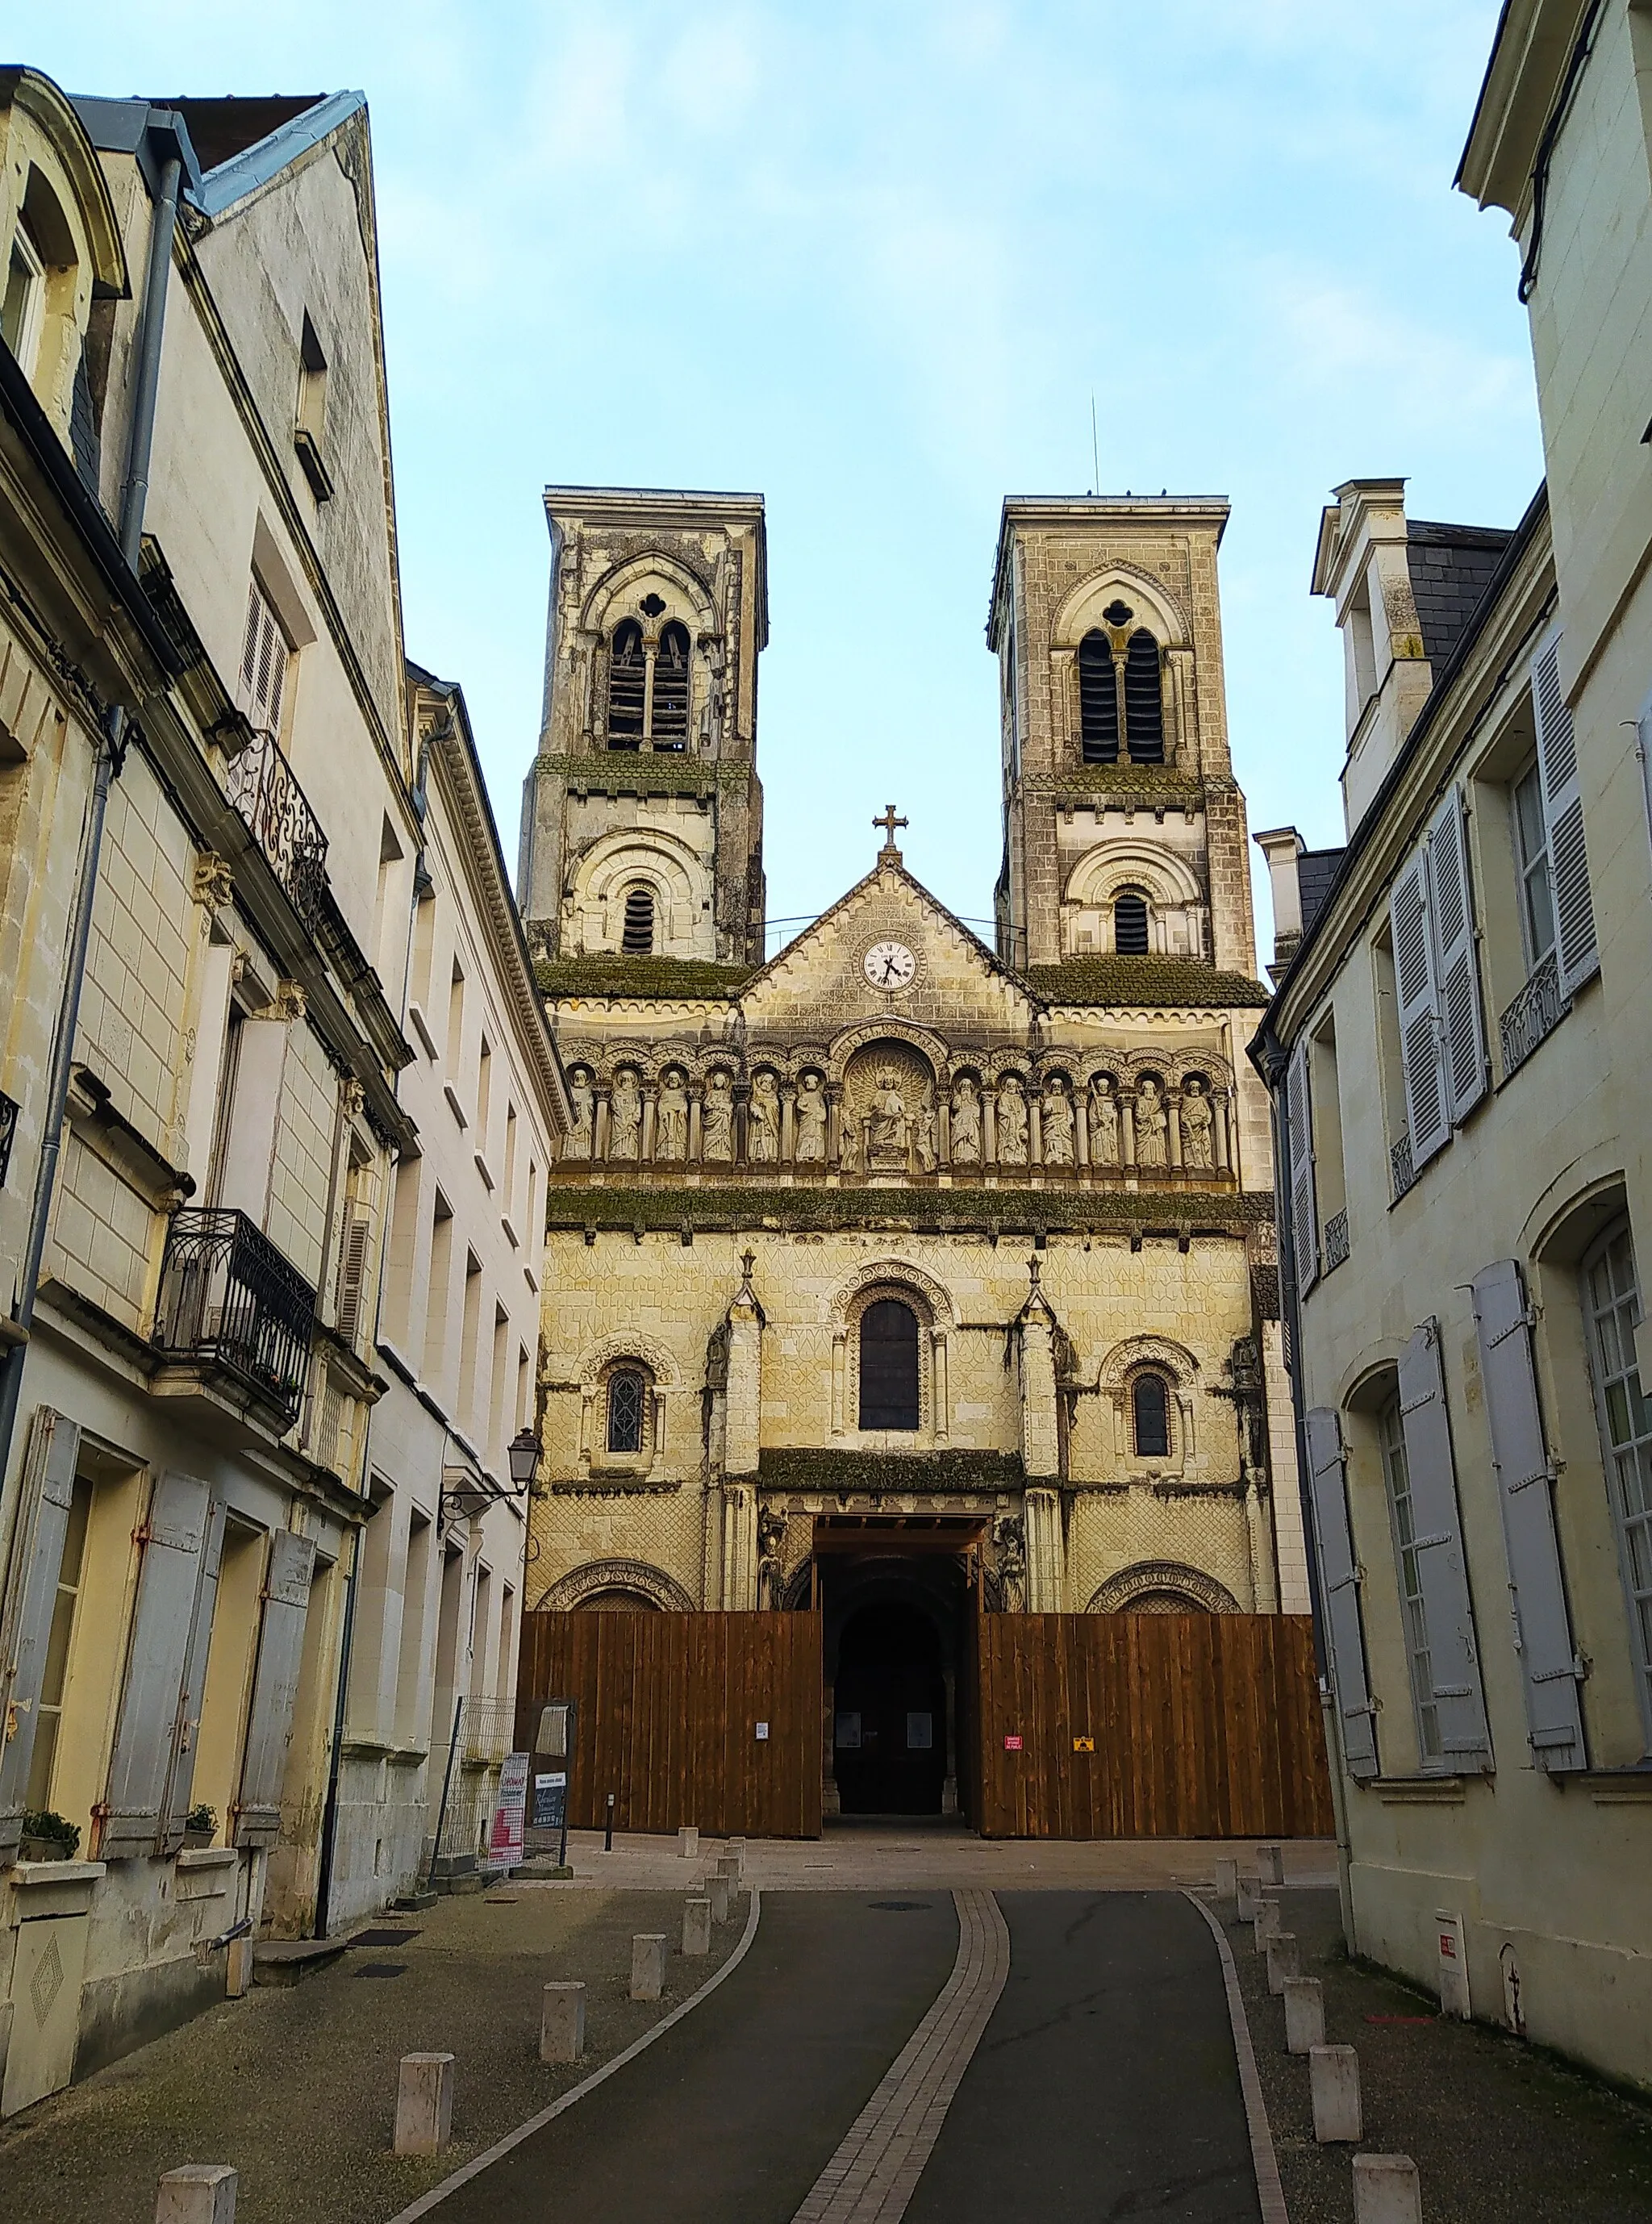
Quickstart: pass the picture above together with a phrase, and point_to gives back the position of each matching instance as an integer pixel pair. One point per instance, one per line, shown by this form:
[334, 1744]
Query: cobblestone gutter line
[474, 2167]
[876, 2171]
[1270, 2192]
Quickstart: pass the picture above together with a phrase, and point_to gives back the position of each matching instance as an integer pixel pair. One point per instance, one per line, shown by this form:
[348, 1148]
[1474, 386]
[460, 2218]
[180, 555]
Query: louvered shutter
[1304, 1210]
[263, 664]
[43, 1525]
[1456, 965]
[1427, 1119]
[1576, 953]
[182, 1776]
[352, 1275]
[274, 1688]
[1443, 1574]
[1542, 1626]
[1339, 1590]
[153, 1710]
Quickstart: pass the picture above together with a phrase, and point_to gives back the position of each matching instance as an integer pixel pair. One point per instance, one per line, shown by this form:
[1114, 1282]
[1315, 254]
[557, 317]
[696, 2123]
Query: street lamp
[523, 1452]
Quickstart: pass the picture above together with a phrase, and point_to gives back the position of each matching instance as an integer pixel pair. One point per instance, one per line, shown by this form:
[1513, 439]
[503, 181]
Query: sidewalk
[1496, 2130]
[296, 2086]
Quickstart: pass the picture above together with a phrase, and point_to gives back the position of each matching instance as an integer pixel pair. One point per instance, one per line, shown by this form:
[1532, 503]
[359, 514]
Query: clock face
[889, 965]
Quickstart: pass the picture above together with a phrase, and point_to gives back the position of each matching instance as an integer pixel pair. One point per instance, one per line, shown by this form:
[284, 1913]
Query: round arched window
[628, 1395]
[1130, 925]
[889, 1392]
[637, 937]
[1150, 1400]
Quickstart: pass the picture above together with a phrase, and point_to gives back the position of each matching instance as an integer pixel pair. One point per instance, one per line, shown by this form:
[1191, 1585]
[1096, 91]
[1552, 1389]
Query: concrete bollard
[562, 2021]
[1386, 2190]
[1334, 2082]
[697, 1927]
[1304, 2015]
[425, 2104]
[730, 1865]
[1267, 1923]
[1249, 1899]
[200, 2193]
[1270, 1864]
[718, 1889]
[238, 1969]
[1284, 1961]
[688, 1841]
[1227, 1885]
[647, 1964]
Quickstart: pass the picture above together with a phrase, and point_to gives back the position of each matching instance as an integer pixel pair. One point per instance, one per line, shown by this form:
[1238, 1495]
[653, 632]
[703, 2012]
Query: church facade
[899, 1263]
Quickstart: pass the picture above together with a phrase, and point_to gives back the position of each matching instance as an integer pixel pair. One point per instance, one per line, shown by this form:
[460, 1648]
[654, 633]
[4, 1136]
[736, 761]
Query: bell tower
[642, 814]
[1123, 830]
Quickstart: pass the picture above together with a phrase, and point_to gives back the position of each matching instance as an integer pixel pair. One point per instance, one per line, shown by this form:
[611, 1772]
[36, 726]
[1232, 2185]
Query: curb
[1270, 2194]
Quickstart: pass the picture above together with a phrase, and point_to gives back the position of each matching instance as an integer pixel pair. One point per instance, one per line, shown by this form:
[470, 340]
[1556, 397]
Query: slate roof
[1451, 567]
[1315, 871]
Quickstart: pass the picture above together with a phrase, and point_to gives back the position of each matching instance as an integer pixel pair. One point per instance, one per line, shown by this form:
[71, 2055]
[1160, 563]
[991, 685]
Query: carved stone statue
[576, 1143]
[1057, 1125]
[1012, 1124]
[923, 1135]
[763, 1122]
[1151, 1124]
[966, 1124]
[771, 1566]
[888, 1124]
[1197, 1148]
[1104, 1122]
[811, 1145]
[670, 1124]
[717, 1121]
[624, 1116]
[1009, 1535]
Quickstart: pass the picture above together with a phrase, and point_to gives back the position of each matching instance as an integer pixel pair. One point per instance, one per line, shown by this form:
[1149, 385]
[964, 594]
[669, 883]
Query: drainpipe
[111, 753]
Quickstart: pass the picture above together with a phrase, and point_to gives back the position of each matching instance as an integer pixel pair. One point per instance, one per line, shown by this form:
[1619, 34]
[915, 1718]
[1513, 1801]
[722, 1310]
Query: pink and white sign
[505, 1832]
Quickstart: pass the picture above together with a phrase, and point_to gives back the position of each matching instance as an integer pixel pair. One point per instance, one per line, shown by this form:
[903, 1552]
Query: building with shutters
[1458, 1051]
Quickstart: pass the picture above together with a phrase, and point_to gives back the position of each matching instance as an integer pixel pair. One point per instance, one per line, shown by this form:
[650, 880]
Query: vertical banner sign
[505, 1835]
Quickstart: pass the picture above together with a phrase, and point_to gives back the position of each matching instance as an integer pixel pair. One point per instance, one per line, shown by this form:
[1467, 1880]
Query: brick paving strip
[872, 2176]
[477, 2163]
[1270, 2192]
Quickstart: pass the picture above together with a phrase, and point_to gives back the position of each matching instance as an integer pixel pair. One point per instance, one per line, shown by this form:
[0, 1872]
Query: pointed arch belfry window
[1143, 699]
[669, 699]
[1098, 700]
[650, 681]
[627, 687]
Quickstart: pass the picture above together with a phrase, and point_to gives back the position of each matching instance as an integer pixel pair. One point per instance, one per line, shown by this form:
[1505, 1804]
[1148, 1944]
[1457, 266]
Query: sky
[876, 260]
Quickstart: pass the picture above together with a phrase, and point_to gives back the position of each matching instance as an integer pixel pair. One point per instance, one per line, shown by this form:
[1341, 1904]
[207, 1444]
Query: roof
[1450, 566]
[1316, 870]
[1114, 981]
[231, 145]
[667, 979]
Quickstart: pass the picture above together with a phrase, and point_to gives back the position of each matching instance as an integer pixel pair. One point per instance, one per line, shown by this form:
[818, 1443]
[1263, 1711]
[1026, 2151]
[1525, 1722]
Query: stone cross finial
[888, 821]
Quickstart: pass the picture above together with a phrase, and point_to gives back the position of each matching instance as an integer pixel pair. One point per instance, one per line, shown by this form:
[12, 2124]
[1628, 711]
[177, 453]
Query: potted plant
[200, 1827]
[48, 1837]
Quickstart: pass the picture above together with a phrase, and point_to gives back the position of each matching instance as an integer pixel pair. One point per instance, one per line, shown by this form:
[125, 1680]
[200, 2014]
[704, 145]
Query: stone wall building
[899, 1242]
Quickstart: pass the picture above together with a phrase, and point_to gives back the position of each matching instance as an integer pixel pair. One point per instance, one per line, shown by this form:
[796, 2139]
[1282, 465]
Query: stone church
[900, 1273]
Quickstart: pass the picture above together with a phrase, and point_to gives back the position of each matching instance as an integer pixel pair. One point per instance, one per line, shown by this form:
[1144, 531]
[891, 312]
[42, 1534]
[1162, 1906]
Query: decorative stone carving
[771, 1545]
[1104, 1122]
[1198, 1151]
[763, 1121]
[888, 1124]
[811, 1121]
[923, 1136]
[717, 1120]
[213, 883]
[1010, 1536]
[291, 1003]
[886, 1087]
[351, 1097]
[577, 1143]
[1151, 1124]
[1011, 1123]
[966, 1124]
[625, 1116]
[671, 1129]
[1057, 1125]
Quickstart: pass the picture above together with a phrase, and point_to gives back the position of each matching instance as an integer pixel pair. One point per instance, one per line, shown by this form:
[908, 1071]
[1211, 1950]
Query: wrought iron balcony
[262, 787]
[1536, 1012]
[229, 1300]
[1334, 1249]
[1399, 1161]
[8, 1110]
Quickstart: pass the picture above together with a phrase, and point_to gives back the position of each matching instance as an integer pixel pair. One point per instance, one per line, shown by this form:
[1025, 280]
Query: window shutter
[187, 1728]
[140, 1771]
[1454, 1669]
[42, 1524]
[1576, 950]
[1304, 1208]
[1542, 1626]
[263, 664]
[352, 1275]
[1456, 966]
[1420, 1043]
[274, 1688]
[1339, 1588]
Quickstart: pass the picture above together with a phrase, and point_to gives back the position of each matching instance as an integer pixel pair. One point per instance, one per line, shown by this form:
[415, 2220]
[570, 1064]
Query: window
[1150, 1406]
[1130, 925]
[1098, 700]
[668, 726]
[1144, 700]
[889, 1389]
[484, 1091]
[1397, 1477]
[627, 687]
[626, 1395]
[1612, 1304]
[24, 302]
[455, 1018]
[264, 653]
[1531, 854]
[311, 419]
[637, 937]
[59, 1638]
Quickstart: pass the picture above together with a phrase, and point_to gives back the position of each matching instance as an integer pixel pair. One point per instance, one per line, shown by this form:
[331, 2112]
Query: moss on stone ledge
[1113, 980]
[796, 1468]
[1012, 1213]
[666, 978]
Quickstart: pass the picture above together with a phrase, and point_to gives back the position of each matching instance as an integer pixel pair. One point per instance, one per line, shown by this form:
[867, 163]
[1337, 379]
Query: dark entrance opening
[890, 1713]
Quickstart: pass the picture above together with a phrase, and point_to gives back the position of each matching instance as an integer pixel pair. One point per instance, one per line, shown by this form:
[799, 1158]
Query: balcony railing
[229, 1298]
[1334, 1248]
[1536, 1012]
[262, 787]
[8, 1110]
[1399, 1161]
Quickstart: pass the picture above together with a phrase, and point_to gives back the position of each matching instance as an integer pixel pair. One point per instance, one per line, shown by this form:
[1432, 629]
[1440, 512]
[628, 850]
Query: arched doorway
[890, 1712]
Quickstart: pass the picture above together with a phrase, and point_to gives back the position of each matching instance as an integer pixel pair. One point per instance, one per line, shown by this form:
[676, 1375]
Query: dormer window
[24, 305]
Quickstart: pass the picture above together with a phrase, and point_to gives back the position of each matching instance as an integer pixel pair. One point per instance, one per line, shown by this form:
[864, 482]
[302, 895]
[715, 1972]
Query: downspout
[1268, 1056]
[111, 755]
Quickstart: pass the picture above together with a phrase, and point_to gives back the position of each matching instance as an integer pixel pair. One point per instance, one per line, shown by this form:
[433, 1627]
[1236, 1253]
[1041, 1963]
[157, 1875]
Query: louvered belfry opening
[627, 682]
[668, 728]
[1130, 925]
[638, 938]
[1143, 699]
[889, 1396]
[1098, 700]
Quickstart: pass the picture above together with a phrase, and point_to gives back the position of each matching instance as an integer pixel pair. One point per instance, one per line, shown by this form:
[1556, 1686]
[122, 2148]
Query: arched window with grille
[1098, 700]
[668, 725]
[1150, 1408]
[1144, 700]
[1130, 931]
[889, 1371]
[627, 1406]
[627, 687]
[637, 937]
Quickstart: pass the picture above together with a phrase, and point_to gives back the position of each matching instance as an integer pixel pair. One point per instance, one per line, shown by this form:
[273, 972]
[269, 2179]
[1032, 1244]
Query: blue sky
[874, 260]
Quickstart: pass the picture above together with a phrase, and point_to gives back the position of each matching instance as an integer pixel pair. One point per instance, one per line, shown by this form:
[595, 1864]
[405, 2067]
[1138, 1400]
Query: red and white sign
[1011, 1745]
[505, 1832]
